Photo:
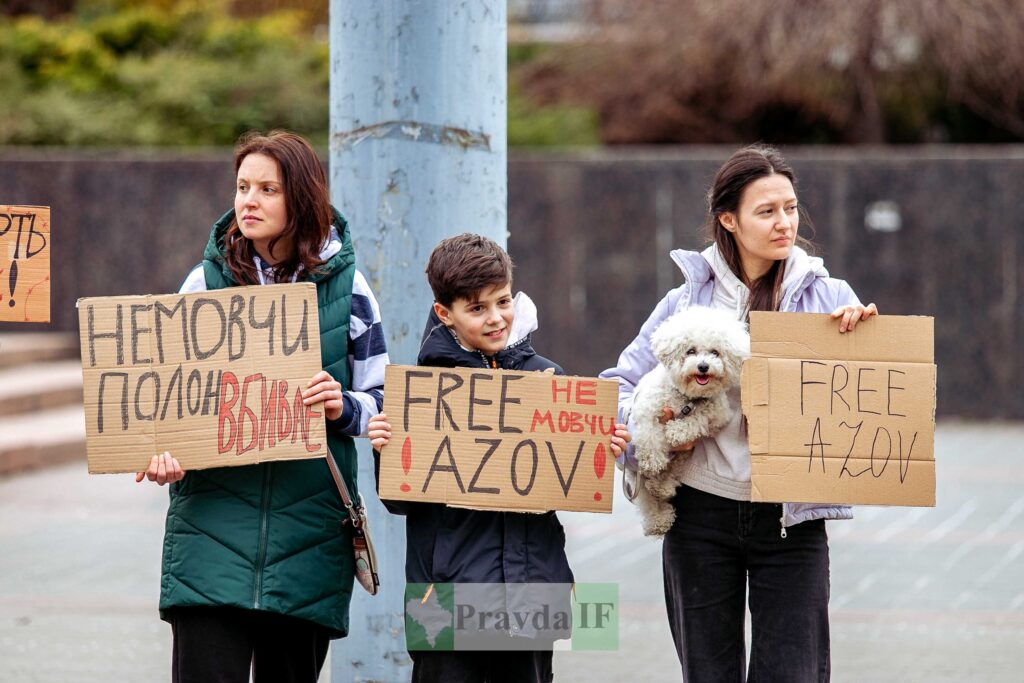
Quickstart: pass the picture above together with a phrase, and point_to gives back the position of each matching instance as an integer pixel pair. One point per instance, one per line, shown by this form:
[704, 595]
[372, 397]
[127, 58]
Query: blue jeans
[715, 548]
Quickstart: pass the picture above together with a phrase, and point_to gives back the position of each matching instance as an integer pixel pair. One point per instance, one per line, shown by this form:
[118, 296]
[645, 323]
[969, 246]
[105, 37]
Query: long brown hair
[306, 201]
[742, 168]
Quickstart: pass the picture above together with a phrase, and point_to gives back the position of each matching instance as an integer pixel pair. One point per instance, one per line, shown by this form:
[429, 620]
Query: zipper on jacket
[261, 552]
[782, 522]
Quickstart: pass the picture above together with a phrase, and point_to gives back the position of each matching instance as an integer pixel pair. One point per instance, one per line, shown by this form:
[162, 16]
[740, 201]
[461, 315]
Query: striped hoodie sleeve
[367, 357]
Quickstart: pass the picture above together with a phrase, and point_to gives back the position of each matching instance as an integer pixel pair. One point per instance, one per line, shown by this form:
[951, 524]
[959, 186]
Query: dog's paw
[652, 463]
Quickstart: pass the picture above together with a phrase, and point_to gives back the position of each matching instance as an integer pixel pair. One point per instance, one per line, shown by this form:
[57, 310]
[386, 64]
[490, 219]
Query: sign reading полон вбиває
[498, 439]
[213, 377]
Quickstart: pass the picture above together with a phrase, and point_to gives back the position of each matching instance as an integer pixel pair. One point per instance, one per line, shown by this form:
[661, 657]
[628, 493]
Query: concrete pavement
[917, 594]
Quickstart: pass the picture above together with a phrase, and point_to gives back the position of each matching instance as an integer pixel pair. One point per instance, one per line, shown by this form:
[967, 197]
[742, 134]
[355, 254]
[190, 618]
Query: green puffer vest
[271, 536]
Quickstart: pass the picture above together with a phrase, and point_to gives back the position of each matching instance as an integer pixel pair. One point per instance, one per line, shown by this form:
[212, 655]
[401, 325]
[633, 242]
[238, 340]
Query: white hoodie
[722, 465]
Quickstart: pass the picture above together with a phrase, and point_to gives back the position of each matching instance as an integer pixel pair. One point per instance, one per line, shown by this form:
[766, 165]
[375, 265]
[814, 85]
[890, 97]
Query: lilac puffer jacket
[807, 288]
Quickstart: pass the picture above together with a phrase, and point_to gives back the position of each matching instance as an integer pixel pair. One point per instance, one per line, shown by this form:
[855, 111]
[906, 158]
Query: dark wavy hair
[306, 200]
[742, 168]
[462, 266]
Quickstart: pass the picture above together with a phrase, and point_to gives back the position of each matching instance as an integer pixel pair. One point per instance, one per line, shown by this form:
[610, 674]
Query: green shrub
[187, 72]
[159, 73]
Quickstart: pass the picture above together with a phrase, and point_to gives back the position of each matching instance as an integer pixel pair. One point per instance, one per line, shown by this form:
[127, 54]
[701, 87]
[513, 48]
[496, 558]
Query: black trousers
[223, 644]
[482, 667]
[715, 549]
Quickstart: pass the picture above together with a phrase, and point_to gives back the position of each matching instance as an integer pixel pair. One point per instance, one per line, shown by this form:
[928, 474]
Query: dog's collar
[690, 406]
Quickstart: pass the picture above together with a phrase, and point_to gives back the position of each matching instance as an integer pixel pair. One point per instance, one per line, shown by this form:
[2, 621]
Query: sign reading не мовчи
[213, 377]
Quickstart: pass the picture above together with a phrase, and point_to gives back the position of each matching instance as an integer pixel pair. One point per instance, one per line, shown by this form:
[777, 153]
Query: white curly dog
[700, 352]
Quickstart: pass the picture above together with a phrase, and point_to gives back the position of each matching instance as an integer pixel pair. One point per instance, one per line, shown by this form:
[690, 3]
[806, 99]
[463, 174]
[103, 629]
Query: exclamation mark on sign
[406, 463]
[12, 279]
[599, 463]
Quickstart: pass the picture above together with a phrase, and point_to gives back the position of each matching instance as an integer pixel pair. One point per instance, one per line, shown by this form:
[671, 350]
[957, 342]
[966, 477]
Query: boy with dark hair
[476, 322]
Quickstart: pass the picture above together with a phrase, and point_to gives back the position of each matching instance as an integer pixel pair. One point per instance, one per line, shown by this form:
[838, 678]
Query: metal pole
[418, 153]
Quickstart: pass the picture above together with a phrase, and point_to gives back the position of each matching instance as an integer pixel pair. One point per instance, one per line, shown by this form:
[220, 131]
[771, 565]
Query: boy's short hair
[464, 265]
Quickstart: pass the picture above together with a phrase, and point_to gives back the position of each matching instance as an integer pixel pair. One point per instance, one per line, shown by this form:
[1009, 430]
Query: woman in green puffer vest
[257, 562]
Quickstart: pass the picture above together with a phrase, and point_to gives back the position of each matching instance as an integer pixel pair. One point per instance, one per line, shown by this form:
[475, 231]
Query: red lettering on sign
[284, 413]
[556, 390]
[227, 379]
[246, 413]
[586, 393]
[539, 419]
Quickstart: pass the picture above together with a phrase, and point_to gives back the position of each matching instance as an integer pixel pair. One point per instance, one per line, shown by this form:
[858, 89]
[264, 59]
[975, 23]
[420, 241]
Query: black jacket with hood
[446, 544]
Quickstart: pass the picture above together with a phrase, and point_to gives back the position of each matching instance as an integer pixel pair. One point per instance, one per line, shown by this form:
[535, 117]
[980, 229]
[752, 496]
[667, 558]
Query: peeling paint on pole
[412, 131]
[418, 153]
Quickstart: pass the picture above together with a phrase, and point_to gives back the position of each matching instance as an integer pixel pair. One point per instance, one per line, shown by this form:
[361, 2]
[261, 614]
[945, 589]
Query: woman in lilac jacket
[721, 542]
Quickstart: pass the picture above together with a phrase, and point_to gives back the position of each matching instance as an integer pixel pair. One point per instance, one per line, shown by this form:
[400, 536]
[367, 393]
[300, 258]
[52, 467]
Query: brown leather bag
[362, 545]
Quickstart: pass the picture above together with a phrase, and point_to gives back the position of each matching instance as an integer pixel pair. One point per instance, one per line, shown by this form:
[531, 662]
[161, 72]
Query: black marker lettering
[123, 402]
[860, 391]
[566, 484]
[803, 382]
[117, 335]
[473, 488]
[303, 336]
[473, 400]
[158, 310]
[409, 400]
[136, 331]
[525, 490]
[505, 400]
[441, 404]
[446, 445]
[197, 306]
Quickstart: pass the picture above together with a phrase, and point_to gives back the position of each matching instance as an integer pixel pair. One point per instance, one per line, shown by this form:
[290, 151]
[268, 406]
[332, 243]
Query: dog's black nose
[703, 368]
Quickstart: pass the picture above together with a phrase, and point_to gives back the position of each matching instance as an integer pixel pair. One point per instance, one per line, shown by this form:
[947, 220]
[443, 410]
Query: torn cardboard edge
[881, 338]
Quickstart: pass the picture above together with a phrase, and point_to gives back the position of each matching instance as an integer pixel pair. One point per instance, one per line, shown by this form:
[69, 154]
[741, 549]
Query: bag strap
[346, 497]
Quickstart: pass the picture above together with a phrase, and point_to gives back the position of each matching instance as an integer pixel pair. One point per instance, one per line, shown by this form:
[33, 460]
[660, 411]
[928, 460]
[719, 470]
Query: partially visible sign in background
[498, 439]
[841, 418]
[213, 377]
[24, 264]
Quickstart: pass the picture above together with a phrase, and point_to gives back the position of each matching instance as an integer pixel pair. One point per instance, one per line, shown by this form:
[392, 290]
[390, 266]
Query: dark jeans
[715, 548]
[222, 645]
[482, 667]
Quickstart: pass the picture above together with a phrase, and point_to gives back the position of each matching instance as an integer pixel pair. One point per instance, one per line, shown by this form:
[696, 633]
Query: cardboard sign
[498, 439]
[24, 264]
[213, 377]
[841, 418]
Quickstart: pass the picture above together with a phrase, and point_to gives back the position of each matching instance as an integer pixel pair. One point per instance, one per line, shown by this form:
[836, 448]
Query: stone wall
[590, 234]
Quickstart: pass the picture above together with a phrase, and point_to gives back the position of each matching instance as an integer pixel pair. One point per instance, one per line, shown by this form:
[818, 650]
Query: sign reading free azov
[498, 439]
[213, 377]
[841, 418]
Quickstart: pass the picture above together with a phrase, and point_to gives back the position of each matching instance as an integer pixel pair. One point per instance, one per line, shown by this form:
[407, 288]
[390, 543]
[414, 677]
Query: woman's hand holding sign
[848, 316]
[324, 388]
[620, 438]
[163, 469]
